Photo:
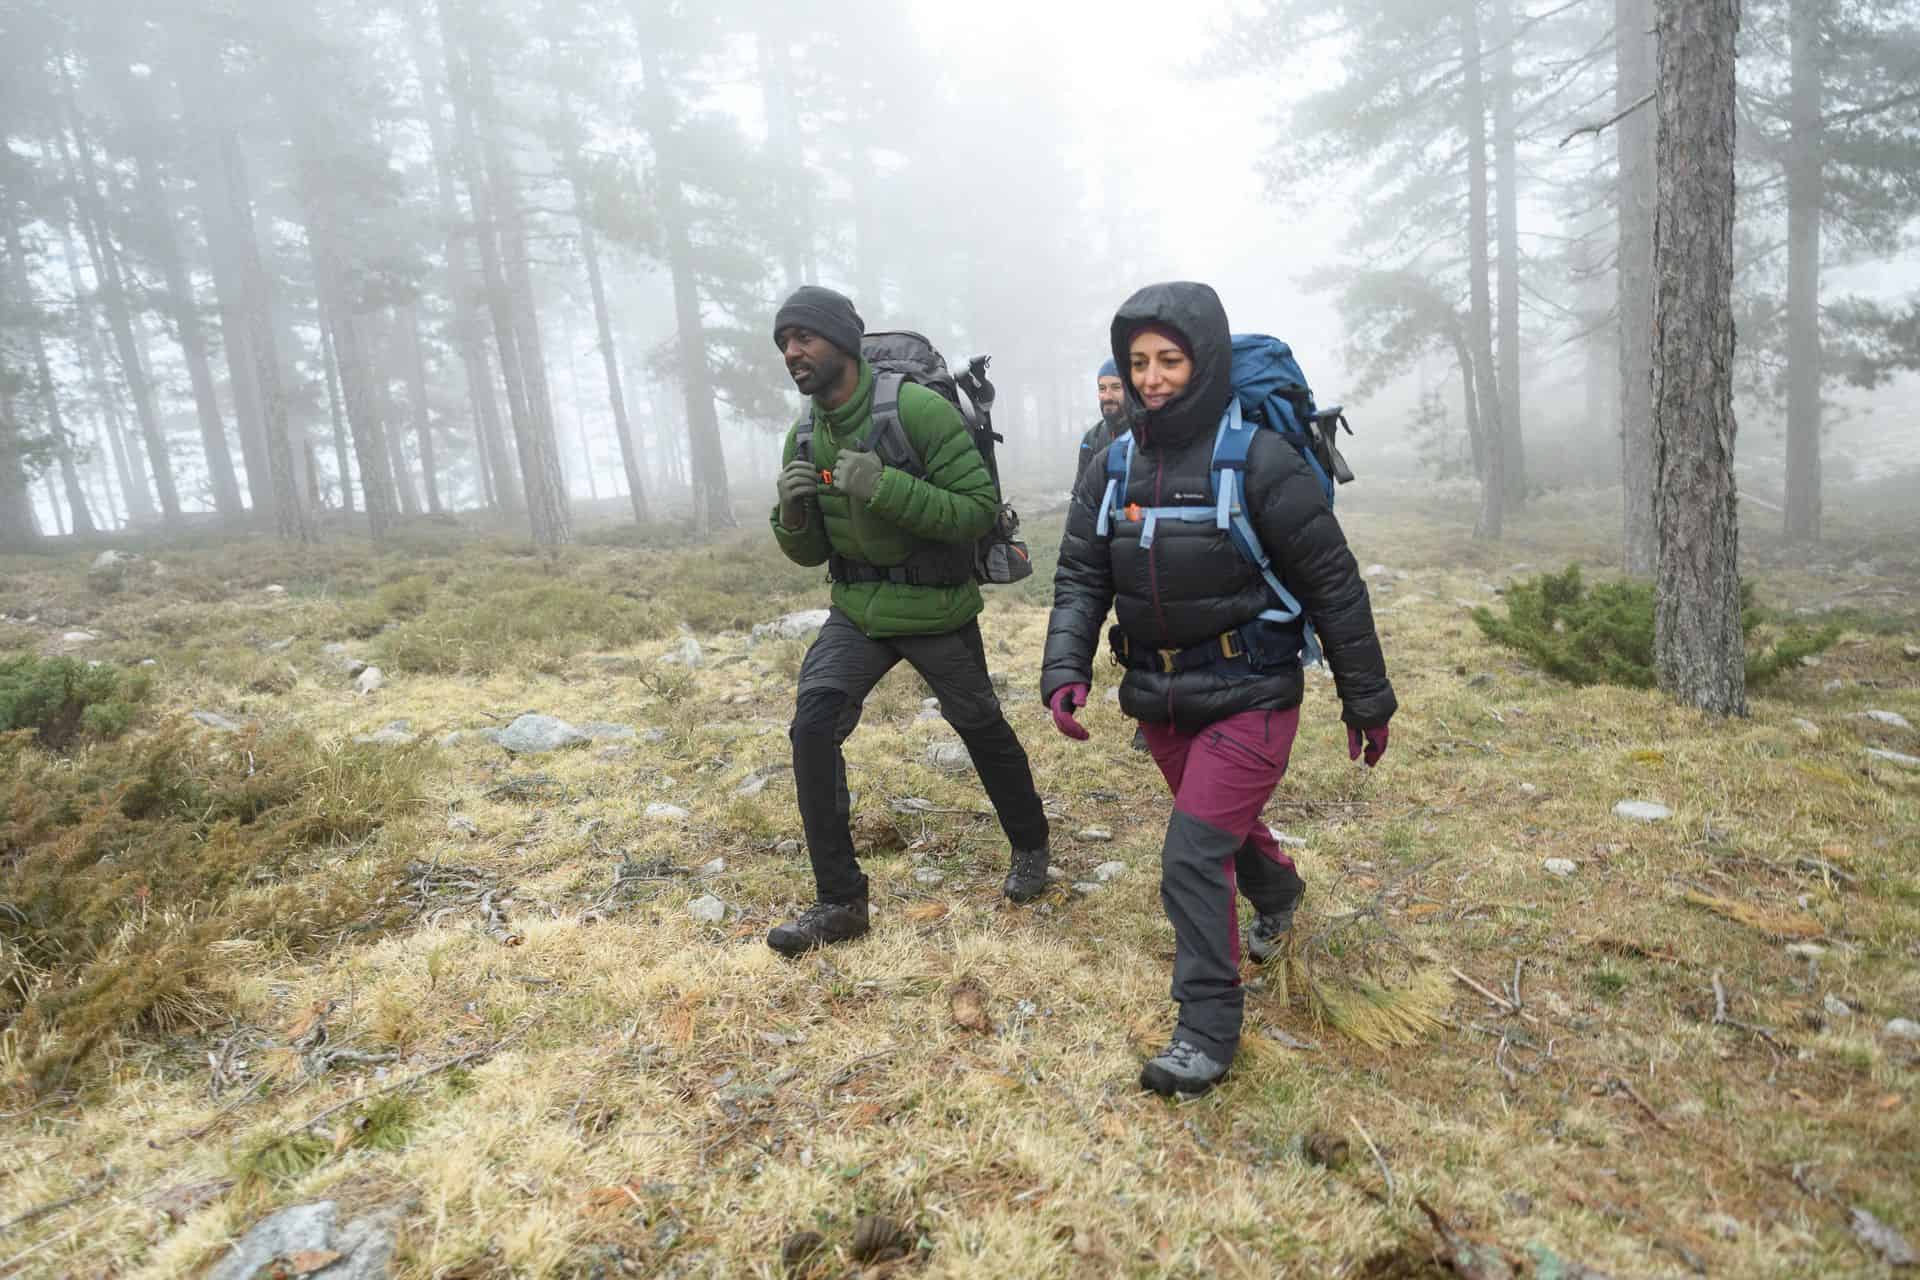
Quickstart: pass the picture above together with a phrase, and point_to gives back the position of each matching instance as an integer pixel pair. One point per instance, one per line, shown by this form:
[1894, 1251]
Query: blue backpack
[1270, 393]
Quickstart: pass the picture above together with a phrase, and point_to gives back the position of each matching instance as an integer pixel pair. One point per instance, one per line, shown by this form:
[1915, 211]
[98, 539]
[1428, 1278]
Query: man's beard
[814, 376]
[1111, 414]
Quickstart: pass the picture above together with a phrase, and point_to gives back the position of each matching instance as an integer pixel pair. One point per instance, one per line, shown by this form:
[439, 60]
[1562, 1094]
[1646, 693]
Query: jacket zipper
[1153, 572]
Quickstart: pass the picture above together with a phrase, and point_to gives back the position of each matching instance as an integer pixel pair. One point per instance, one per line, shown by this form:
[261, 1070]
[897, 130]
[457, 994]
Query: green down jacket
[953, 503]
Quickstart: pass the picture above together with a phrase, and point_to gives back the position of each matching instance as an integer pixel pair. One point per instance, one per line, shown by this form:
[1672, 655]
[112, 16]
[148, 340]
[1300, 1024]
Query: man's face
[1112, 398]
[814, 363]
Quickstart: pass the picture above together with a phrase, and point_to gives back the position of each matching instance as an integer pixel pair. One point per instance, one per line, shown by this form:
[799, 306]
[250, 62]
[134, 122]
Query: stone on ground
[1899, 759]
[370, 680]
[1642, 811]
[791, 626]
[533, 734]
[364, 1246]
[216, 722]
[707, 909]
[1562, 867]
[395, 733]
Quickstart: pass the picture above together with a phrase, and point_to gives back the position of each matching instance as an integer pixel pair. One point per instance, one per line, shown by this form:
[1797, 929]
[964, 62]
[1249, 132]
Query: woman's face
[1159, 367]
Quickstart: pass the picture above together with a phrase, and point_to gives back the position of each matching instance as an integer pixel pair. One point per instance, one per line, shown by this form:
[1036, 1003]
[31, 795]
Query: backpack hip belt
[1242, 644]
[932, 568]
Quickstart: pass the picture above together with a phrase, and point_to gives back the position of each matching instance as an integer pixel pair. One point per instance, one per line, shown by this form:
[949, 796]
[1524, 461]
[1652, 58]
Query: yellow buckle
[1166, 659]
[1226, 645]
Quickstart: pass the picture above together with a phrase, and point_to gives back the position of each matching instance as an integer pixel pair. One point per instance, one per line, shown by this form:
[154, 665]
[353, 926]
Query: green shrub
[58, 698]
[1604, 634]
[479, 628]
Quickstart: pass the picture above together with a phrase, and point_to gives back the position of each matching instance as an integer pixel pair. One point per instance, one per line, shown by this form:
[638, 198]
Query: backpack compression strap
[1231, 444]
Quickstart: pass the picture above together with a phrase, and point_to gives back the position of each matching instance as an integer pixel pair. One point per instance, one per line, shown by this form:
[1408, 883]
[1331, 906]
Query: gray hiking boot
[1027, 878]
[1181, 1069]
[1268, 933]
[819, 925]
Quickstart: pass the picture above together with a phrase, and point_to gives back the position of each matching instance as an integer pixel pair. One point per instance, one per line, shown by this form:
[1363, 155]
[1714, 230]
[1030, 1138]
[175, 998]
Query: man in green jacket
[899, 544]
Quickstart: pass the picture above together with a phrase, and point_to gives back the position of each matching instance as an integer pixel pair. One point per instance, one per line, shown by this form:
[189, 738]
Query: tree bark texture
[1806, 192]
[1493, 476]
[417, 405]
[86, 341]
[609, 356]
[19, 530]
[712, 507]
[1699, 654]
[498, 475]
[49, 390]
[1634, 63]
[1506, 183]
[342, 450]
[97, 231]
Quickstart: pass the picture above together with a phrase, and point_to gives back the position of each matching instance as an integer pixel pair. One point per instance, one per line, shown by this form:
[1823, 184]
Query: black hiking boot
[1181, 1068]
[819, 925]
[1269, 931]
[1027, 878]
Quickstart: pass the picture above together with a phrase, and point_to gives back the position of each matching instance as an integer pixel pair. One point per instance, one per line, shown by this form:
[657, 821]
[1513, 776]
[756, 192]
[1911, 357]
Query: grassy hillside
[253, 962]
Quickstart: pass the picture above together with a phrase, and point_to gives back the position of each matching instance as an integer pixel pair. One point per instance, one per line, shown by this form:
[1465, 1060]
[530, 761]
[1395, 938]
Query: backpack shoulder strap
[1230, 450]
[1119, 468]
[889, 436]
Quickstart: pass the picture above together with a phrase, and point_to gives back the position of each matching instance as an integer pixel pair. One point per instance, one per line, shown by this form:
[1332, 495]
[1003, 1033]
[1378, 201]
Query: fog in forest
[294, 267]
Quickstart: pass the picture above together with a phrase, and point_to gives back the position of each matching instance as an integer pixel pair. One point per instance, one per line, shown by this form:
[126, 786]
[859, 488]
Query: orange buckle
[1133, 511]
[826, 476]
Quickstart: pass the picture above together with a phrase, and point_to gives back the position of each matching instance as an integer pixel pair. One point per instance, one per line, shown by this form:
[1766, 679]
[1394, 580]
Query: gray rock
[1528, 789]
[1094, 835]
[686, 654]
[660, 811]
[756, 782]
[113, 561]
[1899, 759]
[395, 733]
[280, 646]
[216, 722]
[707, 909]
[653, 737]
[1642, 811]
[1806, 950]
[1087, 886]
[931, 877]
[365, 1245]
[1286, 841]
[1107, 872]
[1834, 685]
[1903, 1029]
[1479, 679]
[930, 704]
[1001, 681]
[1912, 652]
[791, 626]
[1562, 867]
[1113, 693]
[787, 849]
[461, 825]
[276, 590]
[369, 680]
[716, 867]
[333, 648]
[533, 734]
[1892, 719]
[1836, 1007]
[1377, 571]
[78, 637]
[1805, 728]
[949, 757]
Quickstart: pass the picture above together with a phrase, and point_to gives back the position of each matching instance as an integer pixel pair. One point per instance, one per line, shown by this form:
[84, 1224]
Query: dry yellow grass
[651, 1095]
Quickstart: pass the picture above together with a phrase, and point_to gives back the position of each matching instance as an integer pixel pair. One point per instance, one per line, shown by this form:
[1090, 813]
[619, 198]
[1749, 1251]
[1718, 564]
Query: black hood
[1194, 311]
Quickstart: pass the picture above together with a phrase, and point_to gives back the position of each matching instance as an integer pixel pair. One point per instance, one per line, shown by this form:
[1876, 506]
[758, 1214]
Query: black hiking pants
[840, 670]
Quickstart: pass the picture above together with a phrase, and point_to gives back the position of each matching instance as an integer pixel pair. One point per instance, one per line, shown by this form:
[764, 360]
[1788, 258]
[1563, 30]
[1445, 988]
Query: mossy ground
[651, 1095]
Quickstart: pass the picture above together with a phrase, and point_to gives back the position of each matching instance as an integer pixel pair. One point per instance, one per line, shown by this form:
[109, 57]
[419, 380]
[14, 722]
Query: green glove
[858, 474]
[799, 483]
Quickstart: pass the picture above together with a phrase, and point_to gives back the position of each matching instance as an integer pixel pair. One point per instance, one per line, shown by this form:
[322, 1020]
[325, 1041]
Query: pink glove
[1067, 699]
[1376, 743]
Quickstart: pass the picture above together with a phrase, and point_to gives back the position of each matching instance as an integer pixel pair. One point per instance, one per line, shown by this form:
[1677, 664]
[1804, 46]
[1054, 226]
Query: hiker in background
[1216, 685]
[1113, 416]
[1112, 425]
[900, 550]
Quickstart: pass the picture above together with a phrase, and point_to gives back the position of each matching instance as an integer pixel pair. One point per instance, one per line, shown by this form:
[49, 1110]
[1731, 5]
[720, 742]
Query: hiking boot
[1027, 878]
[1269, 931]
[818, 926]
[1140, 740]
[1181, 1069]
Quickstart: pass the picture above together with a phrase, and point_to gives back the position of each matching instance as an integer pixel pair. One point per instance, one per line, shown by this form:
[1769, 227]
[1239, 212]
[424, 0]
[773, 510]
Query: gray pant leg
[1199, 902]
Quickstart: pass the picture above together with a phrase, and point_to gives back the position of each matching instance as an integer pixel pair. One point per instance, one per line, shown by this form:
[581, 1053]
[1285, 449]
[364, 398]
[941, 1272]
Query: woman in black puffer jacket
[1216, 687]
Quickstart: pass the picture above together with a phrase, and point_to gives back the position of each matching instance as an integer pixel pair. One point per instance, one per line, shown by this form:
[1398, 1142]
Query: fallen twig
[471, 1056]
[1619, 1086]
[1720, 1019]
[1386, 1174]
[1494, 996]
[87, 1191]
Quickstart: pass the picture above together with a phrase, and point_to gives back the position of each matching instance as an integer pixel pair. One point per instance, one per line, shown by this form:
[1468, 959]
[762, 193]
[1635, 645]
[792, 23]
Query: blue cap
[1108, 370]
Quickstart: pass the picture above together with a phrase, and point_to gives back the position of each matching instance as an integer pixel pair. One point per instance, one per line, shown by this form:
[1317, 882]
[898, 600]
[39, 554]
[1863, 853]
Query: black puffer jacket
[1192, 585]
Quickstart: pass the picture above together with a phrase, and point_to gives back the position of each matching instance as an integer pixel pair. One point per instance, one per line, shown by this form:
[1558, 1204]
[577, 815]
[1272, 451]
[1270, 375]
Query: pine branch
[1616, 118]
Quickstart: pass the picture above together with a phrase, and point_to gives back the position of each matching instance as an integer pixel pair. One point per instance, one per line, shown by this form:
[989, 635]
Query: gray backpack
[1000, 556]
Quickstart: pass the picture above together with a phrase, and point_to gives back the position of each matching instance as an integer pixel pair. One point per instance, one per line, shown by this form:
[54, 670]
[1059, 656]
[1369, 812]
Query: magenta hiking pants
[1221, 778]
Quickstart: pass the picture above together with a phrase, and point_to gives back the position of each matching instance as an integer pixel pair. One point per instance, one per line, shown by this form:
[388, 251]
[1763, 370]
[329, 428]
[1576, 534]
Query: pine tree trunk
[291, 519]
[712, 506]
[134, 496]
[1806, 193]
[546, 479]
[609, 357]
[19, 530]
[382, 353]
[341, 449]
[417, 403]
[357, 390]
[1698, 650]
[1634, 58]
[1493, 482]
[1506, 182]
[49, 390]
[495, 463]
[192, 340]
[113, 297]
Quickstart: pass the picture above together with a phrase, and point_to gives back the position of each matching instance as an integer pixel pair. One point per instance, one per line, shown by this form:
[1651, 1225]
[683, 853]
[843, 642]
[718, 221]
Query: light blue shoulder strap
[1119, 468]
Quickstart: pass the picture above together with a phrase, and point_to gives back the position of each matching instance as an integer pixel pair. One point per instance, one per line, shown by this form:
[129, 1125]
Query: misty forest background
[282, 266]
